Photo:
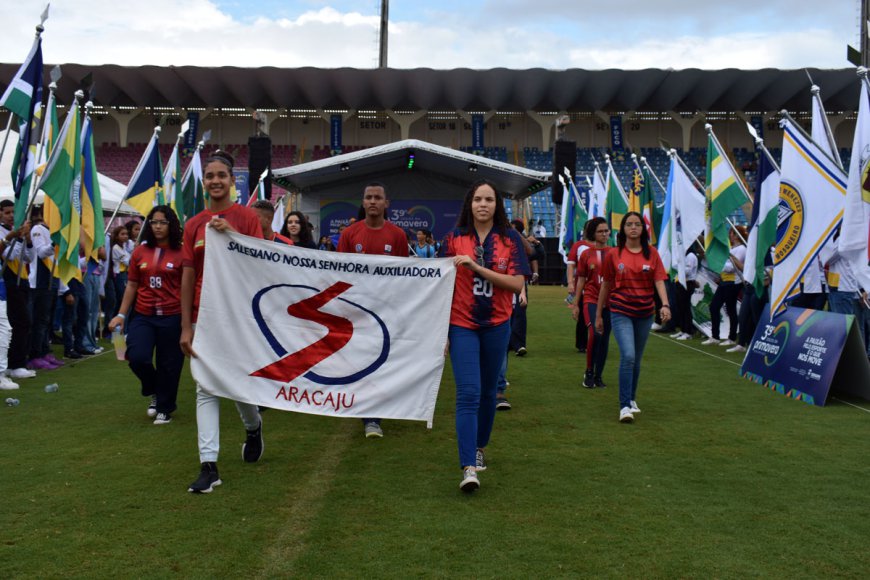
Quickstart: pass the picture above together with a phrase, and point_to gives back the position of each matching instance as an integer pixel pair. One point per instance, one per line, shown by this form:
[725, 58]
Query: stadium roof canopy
[496, 89]
[434, 171]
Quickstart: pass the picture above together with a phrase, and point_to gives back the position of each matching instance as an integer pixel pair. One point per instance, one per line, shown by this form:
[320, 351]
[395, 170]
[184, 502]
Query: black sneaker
[252, 450]
[502, 404]
[480, 460]
[588, 380]
[207, 480]
[599, 383]
[163, 419]
[71, 354]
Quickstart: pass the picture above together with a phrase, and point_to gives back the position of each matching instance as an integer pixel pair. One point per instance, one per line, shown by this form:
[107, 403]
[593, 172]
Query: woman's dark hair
[644, 234]
[590, 228]
[305, 236]
[499, 219]
[174, 227]
[116, 232]
[222, 157]
[130, 225]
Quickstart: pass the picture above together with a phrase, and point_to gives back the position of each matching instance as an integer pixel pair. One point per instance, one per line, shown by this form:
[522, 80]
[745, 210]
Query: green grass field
[718, 477]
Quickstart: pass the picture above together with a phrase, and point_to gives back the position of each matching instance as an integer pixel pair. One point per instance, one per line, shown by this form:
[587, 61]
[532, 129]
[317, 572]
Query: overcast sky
[555, 34]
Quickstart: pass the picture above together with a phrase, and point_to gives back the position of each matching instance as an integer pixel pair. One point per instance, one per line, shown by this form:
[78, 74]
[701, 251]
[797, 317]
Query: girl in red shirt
[223, 215]
[493, 268]
[632, 271]
[153, 290]
[589, 277]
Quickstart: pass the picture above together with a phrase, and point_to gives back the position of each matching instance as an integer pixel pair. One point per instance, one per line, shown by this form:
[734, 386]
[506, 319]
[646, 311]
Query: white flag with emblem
[326, 333]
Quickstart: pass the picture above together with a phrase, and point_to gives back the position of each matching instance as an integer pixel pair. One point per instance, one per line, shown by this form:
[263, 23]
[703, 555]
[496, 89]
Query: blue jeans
[476, 357]
[148, 336]
[92, 303]
[501, 385]
[597, 345]
[631, 335]
[843, 302]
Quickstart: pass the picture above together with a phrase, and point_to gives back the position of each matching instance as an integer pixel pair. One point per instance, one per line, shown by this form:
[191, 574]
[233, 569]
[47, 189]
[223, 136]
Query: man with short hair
[375, 236]
[17, 254]
[266, 213]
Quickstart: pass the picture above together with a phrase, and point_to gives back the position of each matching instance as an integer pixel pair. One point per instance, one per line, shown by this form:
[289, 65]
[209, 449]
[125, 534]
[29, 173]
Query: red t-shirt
[589, 266]
[242, 219]
[477, 302]
[632, 278]
[158, 273]
[389, 240]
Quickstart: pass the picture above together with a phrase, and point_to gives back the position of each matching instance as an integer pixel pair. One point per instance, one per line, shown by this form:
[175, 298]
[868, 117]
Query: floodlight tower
[385, 18]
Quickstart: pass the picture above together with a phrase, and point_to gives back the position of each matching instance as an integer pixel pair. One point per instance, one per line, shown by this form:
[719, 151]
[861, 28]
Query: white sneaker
[99, 350]
[677, 335]
[21, 373]
[736, 348]
[684, 336]
[634, 408]
[710, 341]
[656, 326]
[726, 342]
[6, 384]
[469, 482]
[152, 407]
[625, 415]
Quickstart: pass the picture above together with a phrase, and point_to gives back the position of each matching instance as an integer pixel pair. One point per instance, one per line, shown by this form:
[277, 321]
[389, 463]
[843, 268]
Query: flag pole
[816, 91]
[31, 196]
[6, 136]
[653, 173]
[759, 142]
[616, 178]
[126, 193]
[40, 28]
[737, 178]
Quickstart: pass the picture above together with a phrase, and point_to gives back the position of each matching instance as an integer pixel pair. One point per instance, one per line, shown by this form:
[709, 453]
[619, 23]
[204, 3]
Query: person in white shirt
[43, 292]
[17, 250]
[683, 296]
[730, 283]
[540, 231]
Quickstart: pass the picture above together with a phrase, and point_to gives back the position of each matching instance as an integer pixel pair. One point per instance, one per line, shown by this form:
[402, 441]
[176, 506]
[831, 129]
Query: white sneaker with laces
[6, 384]
[469, 482]
[21, 373]
[726, 342]
[625, 415]
[677, 335]
[710, 341]
[684, 336]
[736, 348]
[152, 407]
[634, 408]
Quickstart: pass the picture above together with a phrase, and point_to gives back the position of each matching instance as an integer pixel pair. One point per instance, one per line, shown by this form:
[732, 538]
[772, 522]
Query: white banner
[326, 333]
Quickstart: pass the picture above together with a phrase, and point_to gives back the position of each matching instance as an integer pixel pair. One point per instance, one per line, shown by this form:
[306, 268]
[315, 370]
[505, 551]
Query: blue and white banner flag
[812, 193]
[325, 333]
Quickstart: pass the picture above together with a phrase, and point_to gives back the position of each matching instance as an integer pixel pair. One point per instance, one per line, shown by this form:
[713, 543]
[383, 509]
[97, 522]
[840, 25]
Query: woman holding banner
[631, 273]
[154, 292]
[492, 268]
[223, 215]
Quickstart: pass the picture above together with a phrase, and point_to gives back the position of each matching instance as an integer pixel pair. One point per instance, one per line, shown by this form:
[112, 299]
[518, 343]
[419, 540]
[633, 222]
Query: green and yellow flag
[61, 182]
[724, 196]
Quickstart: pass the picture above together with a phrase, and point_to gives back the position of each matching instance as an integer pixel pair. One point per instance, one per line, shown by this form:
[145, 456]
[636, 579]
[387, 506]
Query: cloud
[201, 33]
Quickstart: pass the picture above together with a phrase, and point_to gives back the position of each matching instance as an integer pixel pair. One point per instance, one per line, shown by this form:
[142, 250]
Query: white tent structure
[112, 191]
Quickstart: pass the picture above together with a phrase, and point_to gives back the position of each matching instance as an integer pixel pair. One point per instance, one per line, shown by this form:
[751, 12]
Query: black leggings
[726, 294]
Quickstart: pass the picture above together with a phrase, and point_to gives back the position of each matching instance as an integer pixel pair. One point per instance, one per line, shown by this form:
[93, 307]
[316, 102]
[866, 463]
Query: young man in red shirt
[265, 213]
[376, 236]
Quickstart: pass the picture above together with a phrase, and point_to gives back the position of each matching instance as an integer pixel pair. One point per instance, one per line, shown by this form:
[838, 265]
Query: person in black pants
[17, 254]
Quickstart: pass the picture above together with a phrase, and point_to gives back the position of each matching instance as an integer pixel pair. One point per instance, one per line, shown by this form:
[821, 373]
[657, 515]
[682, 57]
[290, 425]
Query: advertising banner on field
[802, 353]
[325, 333]
[701, 299]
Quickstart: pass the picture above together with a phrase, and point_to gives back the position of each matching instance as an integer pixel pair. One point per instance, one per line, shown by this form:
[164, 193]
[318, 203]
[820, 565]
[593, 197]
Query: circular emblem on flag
[790, 221]
[358, 248]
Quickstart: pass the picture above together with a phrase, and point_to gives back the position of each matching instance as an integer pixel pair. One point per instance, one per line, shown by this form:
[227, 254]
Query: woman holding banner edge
[491, 268]
[223, 215]
[631, 273]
